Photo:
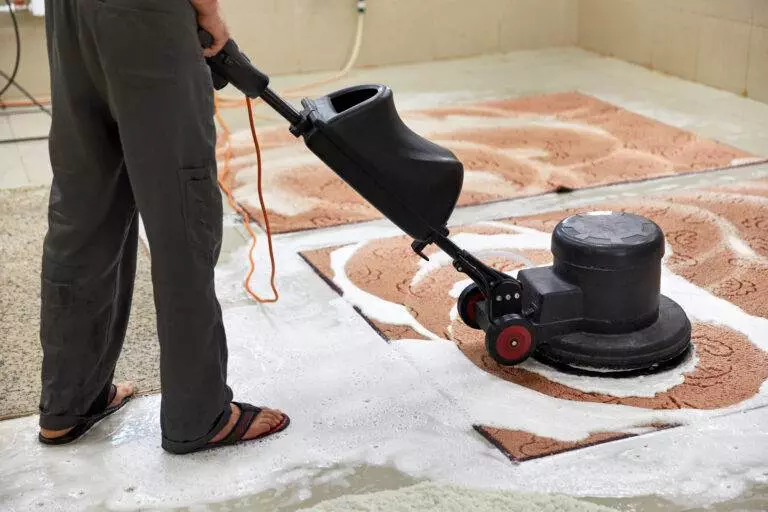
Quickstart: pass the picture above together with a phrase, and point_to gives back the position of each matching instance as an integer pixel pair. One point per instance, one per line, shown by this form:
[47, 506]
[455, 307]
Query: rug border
[329, 281]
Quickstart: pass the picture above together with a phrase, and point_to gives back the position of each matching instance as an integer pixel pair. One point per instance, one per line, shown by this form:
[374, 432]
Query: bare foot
[266, 420]
[124, 390]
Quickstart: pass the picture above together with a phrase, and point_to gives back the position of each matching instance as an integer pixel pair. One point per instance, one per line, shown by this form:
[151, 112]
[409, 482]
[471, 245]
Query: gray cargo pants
[132, 133]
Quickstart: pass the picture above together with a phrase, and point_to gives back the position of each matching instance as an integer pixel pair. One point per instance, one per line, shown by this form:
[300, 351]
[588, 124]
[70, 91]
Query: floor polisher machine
[597, 309]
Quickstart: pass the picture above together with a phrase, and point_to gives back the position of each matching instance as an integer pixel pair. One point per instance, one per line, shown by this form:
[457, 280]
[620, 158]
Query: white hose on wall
[298, 92]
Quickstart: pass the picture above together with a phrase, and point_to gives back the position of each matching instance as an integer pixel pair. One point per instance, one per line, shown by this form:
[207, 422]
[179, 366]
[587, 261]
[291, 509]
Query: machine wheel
[467, 305]
[510, 340]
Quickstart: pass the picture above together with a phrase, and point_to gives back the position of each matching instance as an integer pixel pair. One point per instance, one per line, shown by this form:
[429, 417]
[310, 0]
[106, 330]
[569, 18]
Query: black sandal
[81, 428]
[248, 414]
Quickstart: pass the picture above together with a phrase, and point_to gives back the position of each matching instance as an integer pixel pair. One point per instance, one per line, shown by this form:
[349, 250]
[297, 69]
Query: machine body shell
[359, 134]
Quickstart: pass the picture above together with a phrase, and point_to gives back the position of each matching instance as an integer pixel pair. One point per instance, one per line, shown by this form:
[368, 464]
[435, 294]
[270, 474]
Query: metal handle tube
[282, 107]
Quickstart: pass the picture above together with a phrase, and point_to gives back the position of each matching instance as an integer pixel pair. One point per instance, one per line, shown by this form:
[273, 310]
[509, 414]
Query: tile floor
[25, 163]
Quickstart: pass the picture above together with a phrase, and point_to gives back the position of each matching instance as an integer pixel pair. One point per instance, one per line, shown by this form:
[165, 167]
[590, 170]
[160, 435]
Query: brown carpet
[23, 224]
[510, 148]
[719, 240]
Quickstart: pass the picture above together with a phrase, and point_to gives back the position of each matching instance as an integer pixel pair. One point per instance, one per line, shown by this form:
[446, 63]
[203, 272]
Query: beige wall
[287, 36]
[33, 72]
[290, 36]
[722, 43]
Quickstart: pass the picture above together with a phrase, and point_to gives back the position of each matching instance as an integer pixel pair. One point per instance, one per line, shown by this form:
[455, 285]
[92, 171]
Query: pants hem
[183, 447]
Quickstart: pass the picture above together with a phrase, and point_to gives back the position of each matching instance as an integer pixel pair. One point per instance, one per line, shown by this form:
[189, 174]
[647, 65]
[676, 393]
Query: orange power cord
[222, 102]
[244, 215]
[23, 103]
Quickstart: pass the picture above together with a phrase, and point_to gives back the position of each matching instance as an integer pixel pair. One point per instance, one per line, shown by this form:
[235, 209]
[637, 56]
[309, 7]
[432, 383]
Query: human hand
[209, 18]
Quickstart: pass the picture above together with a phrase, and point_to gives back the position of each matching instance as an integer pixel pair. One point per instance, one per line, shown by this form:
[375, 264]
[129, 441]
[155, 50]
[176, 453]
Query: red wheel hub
[514, 342]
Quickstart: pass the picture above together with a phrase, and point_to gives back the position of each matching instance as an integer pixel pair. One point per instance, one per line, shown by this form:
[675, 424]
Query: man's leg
[89, 254]
[161, 94]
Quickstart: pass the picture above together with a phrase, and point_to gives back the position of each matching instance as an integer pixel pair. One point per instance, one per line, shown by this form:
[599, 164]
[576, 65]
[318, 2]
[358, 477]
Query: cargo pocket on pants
[202, 211]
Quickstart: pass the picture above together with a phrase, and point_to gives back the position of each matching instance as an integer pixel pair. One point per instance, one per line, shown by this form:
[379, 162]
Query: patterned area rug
[510, 148]
[716, 268]
[23, 224]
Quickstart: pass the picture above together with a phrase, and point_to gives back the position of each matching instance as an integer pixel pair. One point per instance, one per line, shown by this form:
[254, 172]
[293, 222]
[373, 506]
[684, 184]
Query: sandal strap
[248, 414]
[112, 395]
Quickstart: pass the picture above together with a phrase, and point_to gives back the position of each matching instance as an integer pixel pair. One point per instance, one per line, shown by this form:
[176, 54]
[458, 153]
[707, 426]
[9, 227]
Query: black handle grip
[231, 65]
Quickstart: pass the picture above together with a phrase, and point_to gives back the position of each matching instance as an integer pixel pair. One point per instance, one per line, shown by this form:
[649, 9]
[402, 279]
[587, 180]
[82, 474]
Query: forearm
[205, 7]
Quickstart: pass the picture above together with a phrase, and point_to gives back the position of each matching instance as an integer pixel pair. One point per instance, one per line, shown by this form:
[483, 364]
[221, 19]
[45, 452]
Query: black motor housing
[599, 304]
[615, 259]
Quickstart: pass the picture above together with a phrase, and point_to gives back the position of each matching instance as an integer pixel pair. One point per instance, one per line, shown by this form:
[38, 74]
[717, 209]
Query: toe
[124, 390]
[269, 413]
[275, 419]
[268, 419]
